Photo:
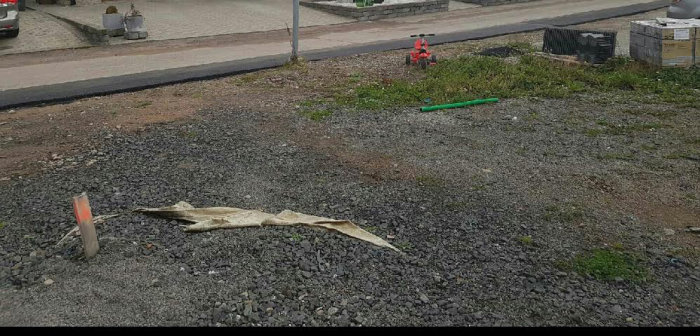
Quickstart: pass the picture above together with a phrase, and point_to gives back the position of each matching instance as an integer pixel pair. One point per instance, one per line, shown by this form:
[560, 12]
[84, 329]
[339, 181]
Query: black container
[595, 48]
[565, 41]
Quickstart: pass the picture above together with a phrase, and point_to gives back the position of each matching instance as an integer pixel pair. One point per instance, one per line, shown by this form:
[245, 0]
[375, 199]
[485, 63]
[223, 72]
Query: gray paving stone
[38, 31]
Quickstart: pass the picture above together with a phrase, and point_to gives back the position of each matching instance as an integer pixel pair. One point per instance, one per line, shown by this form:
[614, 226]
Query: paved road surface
[175, 19]
[39, 31]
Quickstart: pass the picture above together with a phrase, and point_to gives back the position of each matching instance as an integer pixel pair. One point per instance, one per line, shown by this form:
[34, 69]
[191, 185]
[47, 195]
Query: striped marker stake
[83, 214]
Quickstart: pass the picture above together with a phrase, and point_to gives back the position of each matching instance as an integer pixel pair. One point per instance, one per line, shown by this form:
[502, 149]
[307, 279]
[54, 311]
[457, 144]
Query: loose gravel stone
[458, 190]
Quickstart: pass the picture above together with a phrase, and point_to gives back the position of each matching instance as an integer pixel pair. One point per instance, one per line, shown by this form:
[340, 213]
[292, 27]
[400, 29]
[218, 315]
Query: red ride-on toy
[420, 54]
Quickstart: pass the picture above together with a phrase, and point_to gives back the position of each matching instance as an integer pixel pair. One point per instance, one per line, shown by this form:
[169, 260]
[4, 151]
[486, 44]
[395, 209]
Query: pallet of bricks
[666, 42]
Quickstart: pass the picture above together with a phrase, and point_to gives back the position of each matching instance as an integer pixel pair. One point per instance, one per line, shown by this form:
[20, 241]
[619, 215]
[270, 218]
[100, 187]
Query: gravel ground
[457, 190]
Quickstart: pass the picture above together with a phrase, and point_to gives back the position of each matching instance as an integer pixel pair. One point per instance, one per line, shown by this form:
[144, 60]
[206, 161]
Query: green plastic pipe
[449, 106]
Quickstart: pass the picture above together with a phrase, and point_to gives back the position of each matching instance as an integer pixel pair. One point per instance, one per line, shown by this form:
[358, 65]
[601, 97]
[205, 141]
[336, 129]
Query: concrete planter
[494, 2]
[134, 23]
[134, 27]
[378, 12]
[114, 23]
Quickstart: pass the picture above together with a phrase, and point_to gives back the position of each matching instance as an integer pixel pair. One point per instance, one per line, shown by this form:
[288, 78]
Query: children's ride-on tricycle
[420, 54]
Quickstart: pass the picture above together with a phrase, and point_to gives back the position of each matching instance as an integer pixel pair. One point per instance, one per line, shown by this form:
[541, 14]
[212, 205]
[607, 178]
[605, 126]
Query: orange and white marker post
[81, 207]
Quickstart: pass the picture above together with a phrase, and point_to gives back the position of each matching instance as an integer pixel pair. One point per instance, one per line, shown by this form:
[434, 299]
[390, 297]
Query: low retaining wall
[378, 12]
[96, 35]
[78, 2]
[494, 2]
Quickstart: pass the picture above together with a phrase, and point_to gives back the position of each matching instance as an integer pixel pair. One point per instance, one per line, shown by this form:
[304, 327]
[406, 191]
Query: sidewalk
[312, 39]
[40, 32]
[177, 19]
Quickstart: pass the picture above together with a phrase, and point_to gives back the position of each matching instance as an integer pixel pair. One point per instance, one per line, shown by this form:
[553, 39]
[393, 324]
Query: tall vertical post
[295, 37]
[83, 214]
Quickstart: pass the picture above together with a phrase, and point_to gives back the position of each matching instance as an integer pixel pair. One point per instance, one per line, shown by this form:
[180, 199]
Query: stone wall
[78, 2]
[378, 12]
[494, 2]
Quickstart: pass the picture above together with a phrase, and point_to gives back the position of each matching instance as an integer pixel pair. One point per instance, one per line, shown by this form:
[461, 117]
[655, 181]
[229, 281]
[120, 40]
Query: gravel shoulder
[458, 191]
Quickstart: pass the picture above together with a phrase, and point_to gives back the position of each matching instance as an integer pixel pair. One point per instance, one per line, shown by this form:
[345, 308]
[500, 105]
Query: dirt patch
[30, 136]
[501, 52]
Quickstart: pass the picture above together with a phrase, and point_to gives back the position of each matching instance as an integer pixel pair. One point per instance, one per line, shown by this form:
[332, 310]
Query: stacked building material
[666, 43]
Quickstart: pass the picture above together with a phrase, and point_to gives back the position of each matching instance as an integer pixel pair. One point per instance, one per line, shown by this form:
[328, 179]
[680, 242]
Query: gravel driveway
[486, 203]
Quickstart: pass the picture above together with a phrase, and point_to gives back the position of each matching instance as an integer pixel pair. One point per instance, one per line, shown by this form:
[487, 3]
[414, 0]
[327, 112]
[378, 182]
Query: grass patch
[617, 156]
[313, 102]
[355, 77]
[520, 127]
[593, 132]
[143, 104]
[2, 225]
[250, 78]
[430, 181]
[690, 253]
[404, 246]
[189, 134]
[371, 229]
[523, 47]
[316, 115]
[567, 212]
[681, 155]
[479, 183]
[693, 141]
[654, 113]
[649, 147]
[472, 77]
[478, 187]
[296, 237]
[609, 265]
[533, 116]
[526, 240]
[299, 64]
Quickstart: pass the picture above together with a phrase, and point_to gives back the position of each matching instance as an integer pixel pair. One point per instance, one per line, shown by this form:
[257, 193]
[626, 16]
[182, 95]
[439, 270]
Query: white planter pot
[134, 23]
[113, 21]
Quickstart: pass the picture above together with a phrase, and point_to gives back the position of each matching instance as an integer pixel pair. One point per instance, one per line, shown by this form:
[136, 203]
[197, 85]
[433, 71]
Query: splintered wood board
[83, 214]
[564, 59]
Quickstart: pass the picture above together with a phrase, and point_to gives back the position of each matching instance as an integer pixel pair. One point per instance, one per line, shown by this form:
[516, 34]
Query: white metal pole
[295, 38]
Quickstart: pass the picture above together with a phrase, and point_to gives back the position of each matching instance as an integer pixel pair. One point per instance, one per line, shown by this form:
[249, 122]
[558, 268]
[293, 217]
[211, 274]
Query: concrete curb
[380, 12]
[494, 2]
[103, 86]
